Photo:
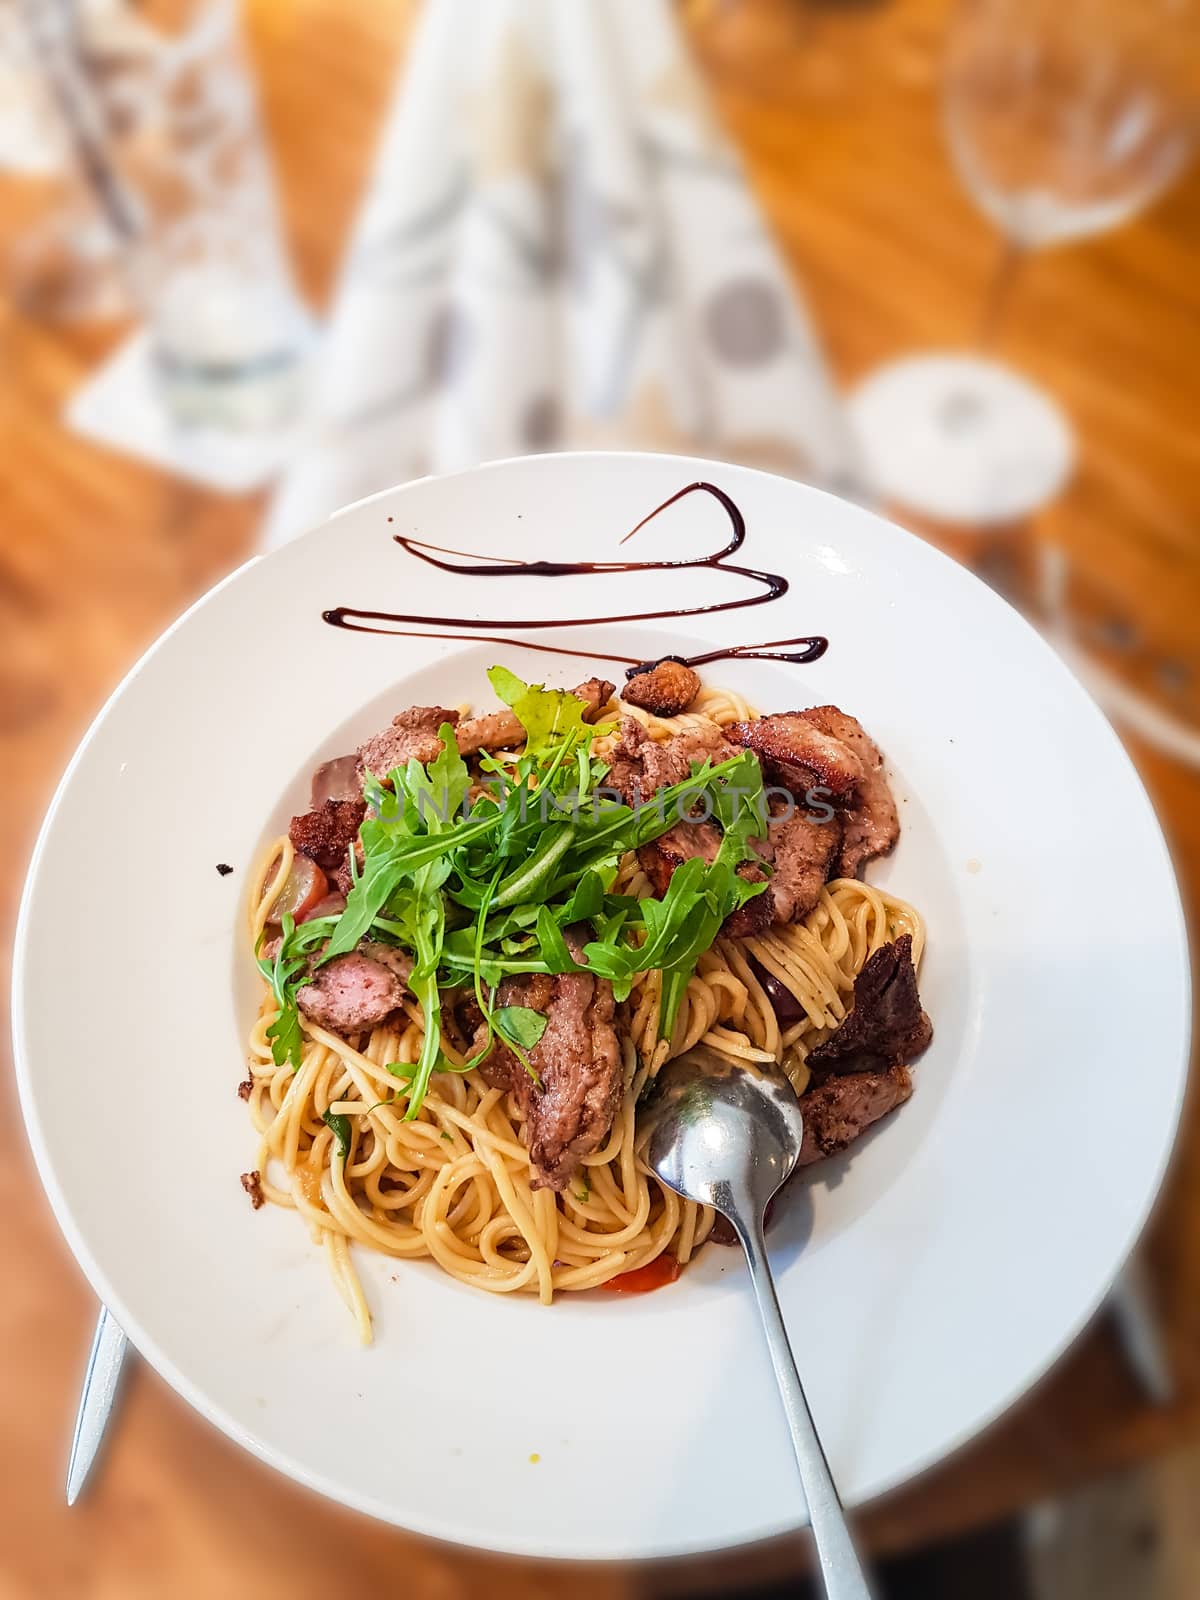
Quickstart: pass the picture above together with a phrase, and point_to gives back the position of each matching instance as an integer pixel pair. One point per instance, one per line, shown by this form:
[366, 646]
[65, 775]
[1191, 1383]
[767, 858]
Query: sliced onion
[338, 779]
[306, 886]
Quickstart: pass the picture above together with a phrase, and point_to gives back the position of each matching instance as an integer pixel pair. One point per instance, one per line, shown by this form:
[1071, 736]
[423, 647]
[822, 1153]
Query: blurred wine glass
[1063, 118]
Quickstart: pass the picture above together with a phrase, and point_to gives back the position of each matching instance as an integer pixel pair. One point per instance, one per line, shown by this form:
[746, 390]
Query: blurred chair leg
[1131, 1303]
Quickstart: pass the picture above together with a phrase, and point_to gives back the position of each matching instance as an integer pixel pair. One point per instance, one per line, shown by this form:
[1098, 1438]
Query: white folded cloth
[558, 250]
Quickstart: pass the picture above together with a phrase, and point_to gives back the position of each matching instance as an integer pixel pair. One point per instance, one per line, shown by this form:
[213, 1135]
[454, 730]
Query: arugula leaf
[439, 788]
[341, 1130]
[555, 950]
[287, 1037]
[548, 716]
[528, 883]
[587, 900]
[422, 919]
[480, 894]
[519, 1025]
[387, 863]
[286, 975]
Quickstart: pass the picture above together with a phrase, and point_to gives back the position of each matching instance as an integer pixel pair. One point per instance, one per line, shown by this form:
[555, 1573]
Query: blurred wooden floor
[835, 110]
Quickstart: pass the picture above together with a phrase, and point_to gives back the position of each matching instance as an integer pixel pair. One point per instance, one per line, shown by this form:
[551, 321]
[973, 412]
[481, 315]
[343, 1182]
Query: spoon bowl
[723, 1135]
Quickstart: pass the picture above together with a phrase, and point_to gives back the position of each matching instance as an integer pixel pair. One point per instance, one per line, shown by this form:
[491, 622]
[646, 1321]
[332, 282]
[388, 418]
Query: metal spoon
[728, 1137]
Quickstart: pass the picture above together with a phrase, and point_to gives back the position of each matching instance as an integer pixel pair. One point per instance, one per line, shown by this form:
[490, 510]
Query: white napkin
[559, 249]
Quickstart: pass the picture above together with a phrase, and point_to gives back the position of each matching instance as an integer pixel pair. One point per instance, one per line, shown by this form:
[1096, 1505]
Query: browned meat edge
[357, 990]
[872, 820]
[326, 833]
[886, 1026]
[837, 1111]
[665, 690]
[578, 1063]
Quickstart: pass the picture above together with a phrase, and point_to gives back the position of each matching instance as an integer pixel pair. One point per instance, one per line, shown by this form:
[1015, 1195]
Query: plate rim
[446, 1533]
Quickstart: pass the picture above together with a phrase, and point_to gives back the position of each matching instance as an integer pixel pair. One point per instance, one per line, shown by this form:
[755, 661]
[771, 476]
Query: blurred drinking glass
[170, 142]
[1064, 118]
[62, 261]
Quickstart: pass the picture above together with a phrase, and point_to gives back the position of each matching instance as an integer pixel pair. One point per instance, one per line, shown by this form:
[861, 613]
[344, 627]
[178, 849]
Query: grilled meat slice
[640, 766]
[683, 842]
[326, 833]
[802, 847]
[837, 1111]
[341, 876]
[872, 821]
[357, 990]
[886, 1026]
[789, 740]
[329, 905]
[665, 689]
[687, 839]
[578, 1061]
[413, 735]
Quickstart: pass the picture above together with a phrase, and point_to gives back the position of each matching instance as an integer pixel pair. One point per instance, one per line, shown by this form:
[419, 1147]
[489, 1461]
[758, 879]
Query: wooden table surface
[835, 110]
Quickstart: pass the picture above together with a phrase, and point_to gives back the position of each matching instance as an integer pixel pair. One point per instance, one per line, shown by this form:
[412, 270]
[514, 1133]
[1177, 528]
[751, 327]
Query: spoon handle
[841, 1570]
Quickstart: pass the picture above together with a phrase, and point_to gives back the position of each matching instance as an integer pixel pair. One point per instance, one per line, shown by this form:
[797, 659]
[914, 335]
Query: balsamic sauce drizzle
[773, 587]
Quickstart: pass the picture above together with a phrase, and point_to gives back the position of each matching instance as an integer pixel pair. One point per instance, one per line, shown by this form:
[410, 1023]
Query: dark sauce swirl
[770, 586]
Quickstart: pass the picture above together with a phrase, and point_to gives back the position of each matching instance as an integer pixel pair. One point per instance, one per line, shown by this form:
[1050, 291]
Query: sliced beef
[684, 842]
[339, 779]
[326, 833]
[341, 877]
[578, 1062]
[595, 694]
[640, 766]
[802, 847]
[790, 740]
[837, 1111]
[461, 1018]
[357, 990]
[413, 735]
[827, 747]
[872, 821]
[754, 916]
[329, 905]
[886, 1026]
[498, 729]
[665, 689]
[398, 962]
[688, 839]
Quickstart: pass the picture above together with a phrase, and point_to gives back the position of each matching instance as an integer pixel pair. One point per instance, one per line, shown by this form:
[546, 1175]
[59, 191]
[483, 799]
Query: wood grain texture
[835, 111]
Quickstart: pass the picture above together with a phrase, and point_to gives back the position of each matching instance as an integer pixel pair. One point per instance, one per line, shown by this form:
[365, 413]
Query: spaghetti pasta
[454, 1184]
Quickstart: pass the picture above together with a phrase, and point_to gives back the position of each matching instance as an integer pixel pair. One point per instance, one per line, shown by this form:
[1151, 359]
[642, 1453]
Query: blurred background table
[834, 108]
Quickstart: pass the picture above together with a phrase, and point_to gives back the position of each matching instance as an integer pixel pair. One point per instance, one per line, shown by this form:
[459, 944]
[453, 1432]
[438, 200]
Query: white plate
[928, 1277]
